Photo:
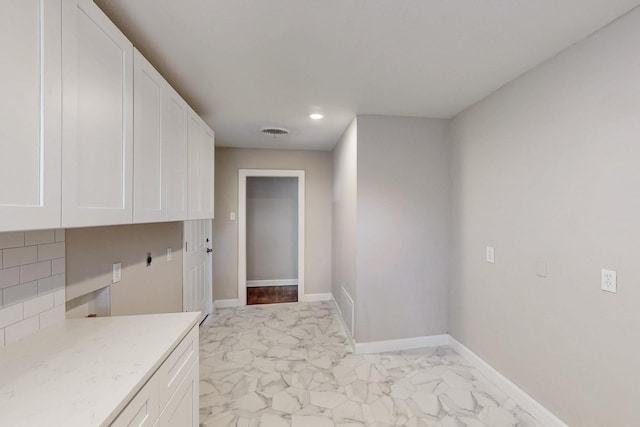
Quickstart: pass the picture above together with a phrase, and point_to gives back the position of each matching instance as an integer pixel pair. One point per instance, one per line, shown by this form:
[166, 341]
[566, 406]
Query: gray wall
[91, 253]
[546, 170]
[402, 228]
[272, 228]
[345, 193]
[317, 166]
[391, 226]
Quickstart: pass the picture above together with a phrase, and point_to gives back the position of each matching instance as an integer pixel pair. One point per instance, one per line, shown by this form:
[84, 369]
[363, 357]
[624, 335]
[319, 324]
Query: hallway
[291, 365]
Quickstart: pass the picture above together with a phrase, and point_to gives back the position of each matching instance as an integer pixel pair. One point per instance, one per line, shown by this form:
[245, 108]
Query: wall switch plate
[117, 272]
[609, 281]
[232, 216]
[541, 268]
[169, 254]
[491, 254]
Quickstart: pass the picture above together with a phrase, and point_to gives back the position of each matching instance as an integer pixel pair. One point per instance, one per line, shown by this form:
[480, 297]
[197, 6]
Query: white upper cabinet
[148, 93]
[160, 147]
[175, 119]
[97, 81]
[30, 131]
[69, 126]
[201, 168]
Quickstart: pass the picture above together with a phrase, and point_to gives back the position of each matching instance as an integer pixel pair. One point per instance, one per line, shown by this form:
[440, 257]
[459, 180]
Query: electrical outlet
[117, 272]
[491, 254]
[169, 254]
[609, 281]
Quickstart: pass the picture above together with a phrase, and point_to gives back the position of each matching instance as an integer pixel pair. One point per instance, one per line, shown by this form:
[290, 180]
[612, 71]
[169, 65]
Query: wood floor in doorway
[272, 294]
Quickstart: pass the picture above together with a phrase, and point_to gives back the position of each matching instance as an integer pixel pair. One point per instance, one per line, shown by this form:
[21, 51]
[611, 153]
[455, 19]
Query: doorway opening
[271, 236]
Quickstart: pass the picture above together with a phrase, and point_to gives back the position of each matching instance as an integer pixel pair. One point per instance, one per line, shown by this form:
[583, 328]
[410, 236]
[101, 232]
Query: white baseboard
[316, 297]
[526, 402]
[226, 303]
[401, 344]
[277, 282]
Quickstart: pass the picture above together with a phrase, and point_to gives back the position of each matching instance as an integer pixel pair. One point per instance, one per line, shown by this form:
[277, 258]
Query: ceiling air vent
[275, 131]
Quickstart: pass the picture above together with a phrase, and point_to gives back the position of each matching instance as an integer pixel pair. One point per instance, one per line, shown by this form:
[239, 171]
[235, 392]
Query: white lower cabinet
[183, 408]
[143, 409]
[170, 397]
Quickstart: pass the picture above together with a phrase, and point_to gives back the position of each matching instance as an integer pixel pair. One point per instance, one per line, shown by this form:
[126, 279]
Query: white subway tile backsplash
[11, 240]
[59, 297]
[9, 277]
[11, 315]
[20, 293]
[58, 266]
[32, 279]
[21, 329]
[38, 237]
[50, 317]
[50, 284]
[50, 251]
[31, 272]
[38, 305]
[19, 256]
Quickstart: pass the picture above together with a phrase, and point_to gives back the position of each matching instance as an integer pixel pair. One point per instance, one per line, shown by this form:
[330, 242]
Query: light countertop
[82, 372]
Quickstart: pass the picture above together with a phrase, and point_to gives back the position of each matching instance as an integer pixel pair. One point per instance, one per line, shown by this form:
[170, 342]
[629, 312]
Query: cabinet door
[175, 116]
[201, 168]
[183, 409]
[97, 82]
[177, 366]
[148, 200]
[142, 410]
[30, 125]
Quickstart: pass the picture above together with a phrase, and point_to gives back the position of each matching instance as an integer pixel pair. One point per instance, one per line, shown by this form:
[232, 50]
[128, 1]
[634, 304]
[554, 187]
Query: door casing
[243, 174]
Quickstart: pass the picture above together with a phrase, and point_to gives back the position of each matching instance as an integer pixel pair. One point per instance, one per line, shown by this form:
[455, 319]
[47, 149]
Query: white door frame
[243, 174]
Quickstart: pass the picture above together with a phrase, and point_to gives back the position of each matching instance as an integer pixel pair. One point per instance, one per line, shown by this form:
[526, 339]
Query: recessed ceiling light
[316, 116]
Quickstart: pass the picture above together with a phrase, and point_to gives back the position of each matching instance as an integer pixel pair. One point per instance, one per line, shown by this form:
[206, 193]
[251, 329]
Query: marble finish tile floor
[291, 365]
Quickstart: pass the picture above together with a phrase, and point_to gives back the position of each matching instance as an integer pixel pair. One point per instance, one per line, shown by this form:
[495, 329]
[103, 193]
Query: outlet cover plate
[609, 281]
[541, 268]
[117, 272]
[491, 254]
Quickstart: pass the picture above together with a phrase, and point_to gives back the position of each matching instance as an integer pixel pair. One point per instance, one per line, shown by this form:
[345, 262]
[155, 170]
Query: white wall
[344, 233]
[402, 227]
[547, 169]
[272, 228]
[317, 167]
[32, 276]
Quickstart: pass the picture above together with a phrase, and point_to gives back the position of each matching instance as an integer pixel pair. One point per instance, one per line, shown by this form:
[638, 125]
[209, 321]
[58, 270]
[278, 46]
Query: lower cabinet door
[177, 366]
[142, 411]
[183, 409]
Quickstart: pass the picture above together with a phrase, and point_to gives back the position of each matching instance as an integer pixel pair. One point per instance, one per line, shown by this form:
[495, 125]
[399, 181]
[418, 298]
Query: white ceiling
[247, 64]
